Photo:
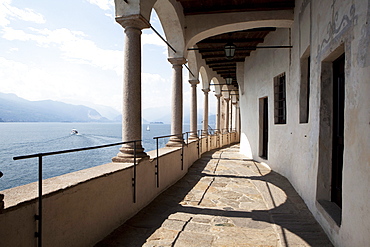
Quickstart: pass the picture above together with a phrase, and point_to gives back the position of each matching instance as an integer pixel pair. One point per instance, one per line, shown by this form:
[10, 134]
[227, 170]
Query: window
[280, 99]
[304, 96]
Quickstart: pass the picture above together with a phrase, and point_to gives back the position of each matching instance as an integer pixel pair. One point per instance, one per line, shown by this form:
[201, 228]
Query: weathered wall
[299, 151]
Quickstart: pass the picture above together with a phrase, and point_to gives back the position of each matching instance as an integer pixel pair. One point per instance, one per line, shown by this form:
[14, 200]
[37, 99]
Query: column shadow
[292, 216]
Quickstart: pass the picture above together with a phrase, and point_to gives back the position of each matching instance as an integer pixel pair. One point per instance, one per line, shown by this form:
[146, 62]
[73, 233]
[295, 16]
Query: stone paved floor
[224, 200]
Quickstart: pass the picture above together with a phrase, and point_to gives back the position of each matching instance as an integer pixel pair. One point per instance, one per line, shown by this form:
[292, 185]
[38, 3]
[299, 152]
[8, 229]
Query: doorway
[338, 130]
[263, 127]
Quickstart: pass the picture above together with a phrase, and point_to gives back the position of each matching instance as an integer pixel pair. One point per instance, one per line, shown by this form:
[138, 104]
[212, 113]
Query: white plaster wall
[260, 69]
[293, 147]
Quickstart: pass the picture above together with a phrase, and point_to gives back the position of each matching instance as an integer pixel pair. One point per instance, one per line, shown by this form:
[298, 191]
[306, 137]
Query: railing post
[1, 197]
[200, 142]
[134, 178]
[157, 166]
[222, 139]
[207, 140]
[38, 216]
[198, 146]
[182, 153]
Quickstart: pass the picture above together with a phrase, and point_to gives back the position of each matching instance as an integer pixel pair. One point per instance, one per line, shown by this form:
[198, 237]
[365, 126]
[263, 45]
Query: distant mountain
[105, 111]
[16, 109]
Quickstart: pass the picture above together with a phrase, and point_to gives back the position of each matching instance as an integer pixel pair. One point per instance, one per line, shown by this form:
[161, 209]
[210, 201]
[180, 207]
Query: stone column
[227, 100]
[218, 117]
[234, 119]
[176, 122]
[193, 109]
[231, 115]
[205, 111]
[237, 117]
[131, 111]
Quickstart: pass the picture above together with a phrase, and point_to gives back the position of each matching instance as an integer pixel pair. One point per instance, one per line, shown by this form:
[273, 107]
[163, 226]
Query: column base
[175, 142]
[127, 154]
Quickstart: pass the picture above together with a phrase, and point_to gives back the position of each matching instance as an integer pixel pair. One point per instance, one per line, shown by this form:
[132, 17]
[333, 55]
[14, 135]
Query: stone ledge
[332, 210]
[28, 193]
[25, 194]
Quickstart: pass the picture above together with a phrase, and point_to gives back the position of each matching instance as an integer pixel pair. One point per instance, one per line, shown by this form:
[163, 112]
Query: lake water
[28, 138]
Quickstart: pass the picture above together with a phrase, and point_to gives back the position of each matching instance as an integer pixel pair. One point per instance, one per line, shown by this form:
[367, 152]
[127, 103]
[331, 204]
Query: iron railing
[198, 139]
[200, 133]
[38, 216]
[157, 152]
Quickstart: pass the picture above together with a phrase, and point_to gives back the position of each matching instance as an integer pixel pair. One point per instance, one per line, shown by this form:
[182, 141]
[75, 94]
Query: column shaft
[176, 121]
[227, 114]
[231, 116]
[193, 110]
[218, 117]
[205, 111]
[131, 110]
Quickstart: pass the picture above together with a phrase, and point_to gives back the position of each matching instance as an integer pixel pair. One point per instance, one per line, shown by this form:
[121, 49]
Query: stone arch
[204, 77]
[193, 65]
[199, 34]
[217, 87]
[169, 14]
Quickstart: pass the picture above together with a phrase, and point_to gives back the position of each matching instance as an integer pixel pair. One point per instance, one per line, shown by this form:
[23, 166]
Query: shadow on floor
[294, 221]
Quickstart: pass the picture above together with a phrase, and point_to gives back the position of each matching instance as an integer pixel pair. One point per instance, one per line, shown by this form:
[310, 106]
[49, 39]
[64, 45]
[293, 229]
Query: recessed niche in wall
[331, 139]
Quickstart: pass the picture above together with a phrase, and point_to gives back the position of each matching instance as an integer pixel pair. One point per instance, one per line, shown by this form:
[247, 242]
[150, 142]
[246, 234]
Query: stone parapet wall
[81, 208]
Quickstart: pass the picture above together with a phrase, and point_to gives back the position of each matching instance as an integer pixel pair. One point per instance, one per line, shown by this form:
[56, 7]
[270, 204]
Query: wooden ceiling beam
[194, 7]
[210, 41]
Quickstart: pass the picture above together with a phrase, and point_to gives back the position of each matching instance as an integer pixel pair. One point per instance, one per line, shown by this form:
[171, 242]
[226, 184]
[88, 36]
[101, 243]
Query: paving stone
[192, 239]
[197, 227]
[171, 224]
[204, 219]
[223, 200]
[163, 234]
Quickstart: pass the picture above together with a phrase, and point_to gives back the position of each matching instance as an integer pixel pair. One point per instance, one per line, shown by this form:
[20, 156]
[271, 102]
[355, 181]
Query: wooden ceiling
[196, 7]
[212, 48]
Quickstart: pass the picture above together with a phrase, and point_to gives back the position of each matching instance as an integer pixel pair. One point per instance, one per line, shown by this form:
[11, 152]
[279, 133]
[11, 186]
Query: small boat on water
[74, 132]
[147, 128]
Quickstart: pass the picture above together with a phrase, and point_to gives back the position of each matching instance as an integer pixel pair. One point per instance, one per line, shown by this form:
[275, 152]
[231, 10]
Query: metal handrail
[38, 217]
[198, 139]
[157, 152]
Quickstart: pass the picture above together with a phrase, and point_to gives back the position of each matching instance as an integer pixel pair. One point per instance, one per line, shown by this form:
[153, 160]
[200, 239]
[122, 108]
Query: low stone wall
[82, 207]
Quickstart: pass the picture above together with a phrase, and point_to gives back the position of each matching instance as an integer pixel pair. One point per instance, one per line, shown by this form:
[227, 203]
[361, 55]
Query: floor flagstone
[224, 200]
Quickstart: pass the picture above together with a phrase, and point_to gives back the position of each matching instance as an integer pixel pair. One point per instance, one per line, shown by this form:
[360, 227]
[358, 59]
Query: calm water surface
[28, 138]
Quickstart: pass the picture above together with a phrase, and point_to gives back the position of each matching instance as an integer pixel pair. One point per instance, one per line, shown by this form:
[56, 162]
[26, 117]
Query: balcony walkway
[224, 200]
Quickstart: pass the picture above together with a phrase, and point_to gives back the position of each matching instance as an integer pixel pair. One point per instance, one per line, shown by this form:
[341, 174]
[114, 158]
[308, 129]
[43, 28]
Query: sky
[72, 51]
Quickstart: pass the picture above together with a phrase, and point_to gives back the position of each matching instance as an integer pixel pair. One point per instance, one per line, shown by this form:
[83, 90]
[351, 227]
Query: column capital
[133, 21]
[227, 99]
[218, 95]
[206, 90]
[177, 60]
[194, 82]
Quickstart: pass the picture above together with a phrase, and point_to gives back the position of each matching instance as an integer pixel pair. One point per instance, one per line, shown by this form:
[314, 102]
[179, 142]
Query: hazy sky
[72, 51]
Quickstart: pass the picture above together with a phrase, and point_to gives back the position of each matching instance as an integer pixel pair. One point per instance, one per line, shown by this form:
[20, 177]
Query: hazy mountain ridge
[16, 109]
